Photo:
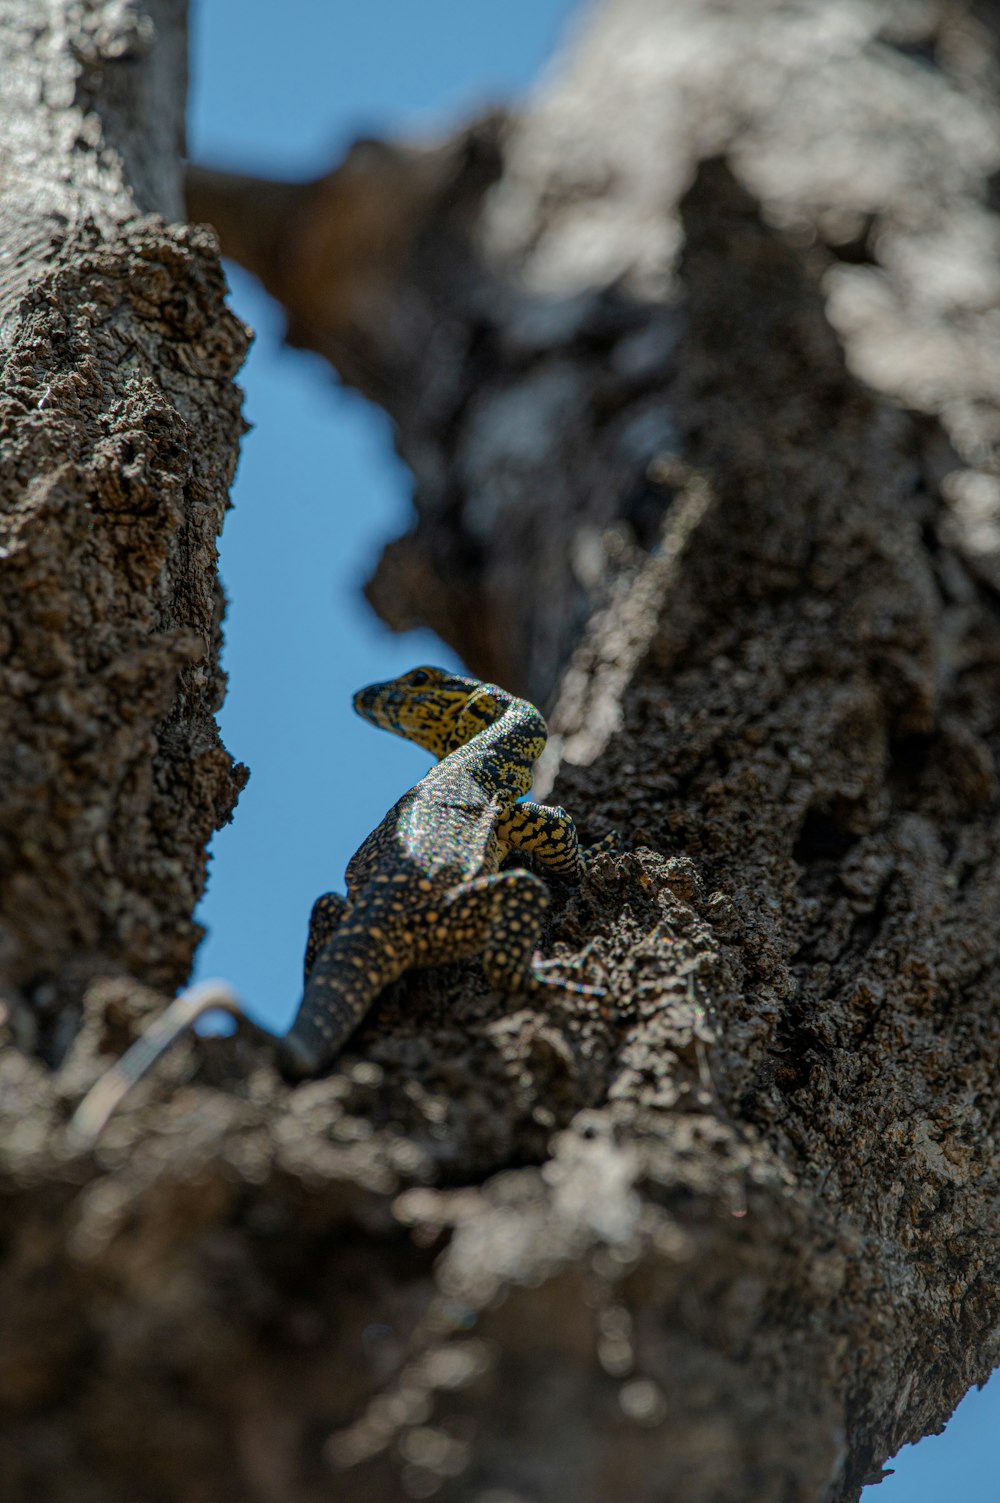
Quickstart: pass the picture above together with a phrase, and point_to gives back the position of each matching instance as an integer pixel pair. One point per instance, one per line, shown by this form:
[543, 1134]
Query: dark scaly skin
[425, 887]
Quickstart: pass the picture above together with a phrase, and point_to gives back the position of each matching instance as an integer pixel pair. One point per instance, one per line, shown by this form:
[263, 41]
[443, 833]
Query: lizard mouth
[366, 701]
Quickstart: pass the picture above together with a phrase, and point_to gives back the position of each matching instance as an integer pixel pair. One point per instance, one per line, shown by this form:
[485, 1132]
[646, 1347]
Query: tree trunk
[705, 454]
[120, 426]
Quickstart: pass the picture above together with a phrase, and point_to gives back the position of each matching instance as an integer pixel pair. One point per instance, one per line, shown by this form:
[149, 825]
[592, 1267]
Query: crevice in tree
[924, 50]
[822, 839]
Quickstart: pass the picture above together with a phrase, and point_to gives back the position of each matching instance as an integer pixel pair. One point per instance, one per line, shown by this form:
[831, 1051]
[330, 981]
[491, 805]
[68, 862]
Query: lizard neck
[506, 750]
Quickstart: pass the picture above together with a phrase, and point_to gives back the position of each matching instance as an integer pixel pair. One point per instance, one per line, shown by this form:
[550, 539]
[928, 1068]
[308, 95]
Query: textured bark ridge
[119, 426]
[524, 352]
[729, 1232]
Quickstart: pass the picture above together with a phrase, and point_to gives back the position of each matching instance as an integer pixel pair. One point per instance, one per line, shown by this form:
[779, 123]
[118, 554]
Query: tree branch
[730, 1231]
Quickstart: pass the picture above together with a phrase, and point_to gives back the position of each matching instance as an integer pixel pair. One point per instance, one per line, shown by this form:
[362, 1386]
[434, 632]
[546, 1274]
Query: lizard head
[438, 710]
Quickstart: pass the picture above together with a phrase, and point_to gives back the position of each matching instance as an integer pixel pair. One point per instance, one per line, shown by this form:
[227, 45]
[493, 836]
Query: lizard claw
[578, 988]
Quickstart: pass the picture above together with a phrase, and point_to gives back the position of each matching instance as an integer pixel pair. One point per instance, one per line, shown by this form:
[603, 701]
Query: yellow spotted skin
[425, 887]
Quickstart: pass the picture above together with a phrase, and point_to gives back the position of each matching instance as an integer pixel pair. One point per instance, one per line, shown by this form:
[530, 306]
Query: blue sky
[319, 490]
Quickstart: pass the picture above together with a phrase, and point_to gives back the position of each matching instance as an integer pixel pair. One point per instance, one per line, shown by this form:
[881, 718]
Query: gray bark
[119, 426]
[720, 438]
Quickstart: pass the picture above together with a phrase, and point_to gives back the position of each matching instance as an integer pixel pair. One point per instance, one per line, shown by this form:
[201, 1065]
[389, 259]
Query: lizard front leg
[548, 833]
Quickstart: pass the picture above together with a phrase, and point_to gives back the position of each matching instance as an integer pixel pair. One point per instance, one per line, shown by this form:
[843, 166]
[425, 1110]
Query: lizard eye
[418, 676]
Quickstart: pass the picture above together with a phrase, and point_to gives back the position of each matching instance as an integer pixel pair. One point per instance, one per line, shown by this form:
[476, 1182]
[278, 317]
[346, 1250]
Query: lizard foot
[578, 988]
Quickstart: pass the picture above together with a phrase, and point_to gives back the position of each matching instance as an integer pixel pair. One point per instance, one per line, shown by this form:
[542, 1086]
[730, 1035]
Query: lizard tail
[350, 971]
[319, 1032]
[101, 1100]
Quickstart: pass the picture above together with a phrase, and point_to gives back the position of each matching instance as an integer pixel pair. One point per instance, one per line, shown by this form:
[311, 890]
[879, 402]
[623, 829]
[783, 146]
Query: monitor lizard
[424, 888]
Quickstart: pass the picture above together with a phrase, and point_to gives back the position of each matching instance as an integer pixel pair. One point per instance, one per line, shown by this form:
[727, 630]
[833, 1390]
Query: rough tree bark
[720, 437]
[119, 426]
